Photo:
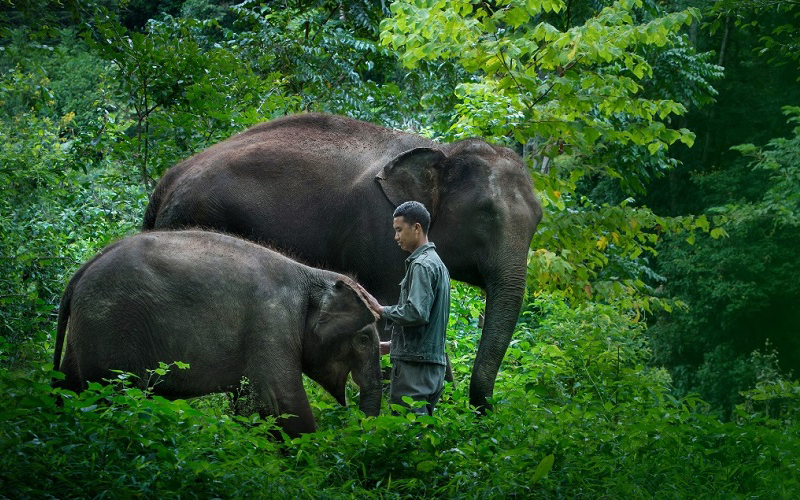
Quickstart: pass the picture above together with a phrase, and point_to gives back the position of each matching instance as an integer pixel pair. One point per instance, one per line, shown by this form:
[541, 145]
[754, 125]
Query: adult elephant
[324, 187]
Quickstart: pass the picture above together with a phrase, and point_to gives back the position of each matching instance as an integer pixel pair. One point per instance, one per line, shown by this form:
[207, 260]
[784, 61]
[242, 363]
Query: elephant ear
[342, 310]
[413, 176]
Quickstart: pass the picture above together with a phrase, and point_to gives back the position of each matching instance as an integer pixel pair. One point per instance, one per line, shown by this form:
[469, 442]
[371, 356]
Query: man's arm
[416, 309]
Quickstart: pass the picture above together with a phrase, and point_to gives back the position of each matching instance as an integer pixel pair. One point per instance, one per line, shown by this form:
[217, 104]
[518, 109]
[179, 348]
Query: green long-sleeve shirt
[423, 309]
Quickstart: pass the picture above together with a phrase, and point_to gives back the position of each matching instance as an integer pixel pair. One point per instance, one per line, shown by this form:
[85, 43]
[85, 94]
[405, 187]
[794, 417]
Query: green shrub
[580, 416]
[52, 218]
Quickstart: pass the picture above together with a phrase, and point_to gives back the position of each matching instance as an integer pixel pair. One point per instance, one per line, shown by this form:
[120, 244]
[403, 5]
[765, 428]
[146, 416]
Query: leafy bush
[741, 290]
[52, 220]
[580, 416]
[581, 411]
[113, 439]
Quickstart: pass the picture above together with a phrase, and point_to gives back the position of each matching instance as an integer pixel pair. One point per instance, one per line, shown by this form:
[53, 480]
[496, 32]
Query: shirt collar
[419, 251]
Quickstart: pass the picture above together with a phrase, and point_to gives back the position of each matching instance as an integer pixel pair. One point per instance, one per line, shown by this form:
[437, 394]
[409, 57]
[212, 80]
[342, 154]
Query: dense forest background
[658, 349]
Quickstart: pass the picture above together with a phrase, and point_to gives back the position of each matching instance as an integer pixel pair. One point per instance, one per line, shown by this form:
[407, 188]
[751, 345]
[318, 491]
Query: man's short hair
[414, 212]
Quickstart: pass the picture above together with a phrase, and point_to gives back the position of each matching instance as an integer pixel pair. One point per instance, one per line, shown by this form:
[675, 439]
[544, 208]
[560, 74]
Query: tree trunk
[720, 62]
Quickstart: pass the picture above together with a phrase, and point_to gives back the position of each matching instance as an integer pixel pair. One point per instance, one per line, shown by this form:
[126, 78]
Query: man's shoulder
[429, 259]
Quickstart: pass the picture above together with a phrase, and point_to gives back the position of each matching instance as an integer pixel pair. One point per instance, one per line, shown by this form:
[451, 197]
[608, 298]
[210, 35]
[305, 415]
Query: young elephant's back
[145, 260]
[183, 269]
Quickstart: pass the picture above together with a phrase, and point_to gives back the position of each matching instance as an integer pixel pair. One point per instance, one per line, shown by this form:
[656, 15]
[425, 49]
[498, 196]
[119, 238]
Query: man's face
[407, 236]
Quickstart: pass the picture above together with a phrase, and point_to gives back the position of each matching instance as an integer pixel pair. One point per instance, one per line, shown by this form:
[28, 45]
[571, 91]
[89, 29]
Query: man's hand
[372, 302]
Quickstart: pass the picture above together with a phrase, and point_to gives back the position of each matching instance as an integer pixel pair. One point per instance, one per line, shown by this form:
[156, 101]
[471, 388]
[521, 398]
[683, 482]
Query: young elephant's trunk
[369, 380]
[370, 399]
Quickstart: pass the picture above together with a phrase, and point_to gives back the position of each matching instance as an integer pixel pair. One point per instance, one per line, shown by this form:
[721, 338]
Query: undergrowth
[578, 417]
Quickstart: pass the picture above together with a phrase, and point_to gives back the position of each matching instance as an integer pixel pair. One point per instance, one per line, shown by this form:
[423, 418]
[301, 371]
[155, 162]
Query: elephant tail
[151, 212]
[63, 319]
[157, 200]
[162, 192]
[65, 307]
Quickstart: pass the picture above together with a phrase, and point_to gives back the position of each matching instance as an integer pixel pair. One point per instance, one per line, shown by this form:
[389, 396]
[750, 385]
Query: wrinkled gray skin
[324, 188]
[229, 308]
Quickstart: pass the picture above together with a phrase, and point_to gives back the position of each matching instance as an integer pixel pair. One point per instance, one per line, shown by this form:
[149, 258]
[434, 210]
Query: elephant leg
[73, 381]
[448, 373]
[286, 398]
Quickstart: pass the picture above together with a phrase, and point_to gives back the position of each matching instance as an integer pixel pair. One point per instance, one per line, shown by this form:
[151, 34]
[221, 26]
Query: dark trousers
[420, 381]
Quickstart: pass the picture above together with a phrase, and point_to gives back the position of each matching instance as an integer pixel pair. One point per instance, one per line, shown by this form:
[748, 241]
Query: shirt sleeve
[416, 309]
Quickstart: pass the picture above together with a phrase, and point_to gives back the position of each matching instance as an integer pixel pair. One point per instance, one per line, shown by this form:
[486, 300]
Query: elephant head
[345, 341]
[342, 309]
[483, 217]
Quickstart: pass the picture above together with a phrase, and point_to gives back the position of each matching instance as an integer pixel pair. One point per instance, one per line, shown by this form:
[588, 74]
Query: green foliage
[589, 98]
[578, 413]
[781, 161]
[780, 42]
[184, 91]
[575, 86]
[740, 290]
[594, 94]
[592, 252]
[682, 74]
[115, 440]
[66, 78]
[52, 216]
[329, 54]
[202, 9]
[46, 240]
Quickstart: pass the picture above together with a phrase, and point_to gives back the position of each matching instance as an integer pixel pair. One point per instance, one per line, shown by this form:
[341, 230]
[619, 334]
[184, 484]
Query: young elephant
[229, 308]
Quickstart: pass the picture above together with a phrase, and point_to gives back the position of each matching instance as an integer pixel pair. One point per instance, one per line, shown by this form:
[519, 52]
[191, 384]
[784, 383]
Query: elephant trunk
[504, 294]
[370, 402]
[369, 381]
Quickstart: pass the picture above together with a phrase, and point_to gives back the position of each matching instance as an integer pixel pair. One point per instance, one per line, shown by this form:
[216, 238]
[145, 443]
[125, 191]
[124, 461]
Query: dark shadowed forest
[658, 346]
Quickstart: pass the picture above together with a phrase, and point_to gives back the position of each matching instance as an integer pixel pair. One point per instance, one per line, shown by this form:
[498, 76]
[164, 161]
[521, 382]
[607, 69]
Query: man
[420, 317]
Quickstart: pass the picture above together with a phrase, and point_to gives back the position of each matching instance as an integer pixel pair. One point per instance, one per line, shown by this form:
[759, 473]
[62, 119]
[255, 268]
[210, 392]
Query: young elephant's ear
[342, 310]
[413, 175]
